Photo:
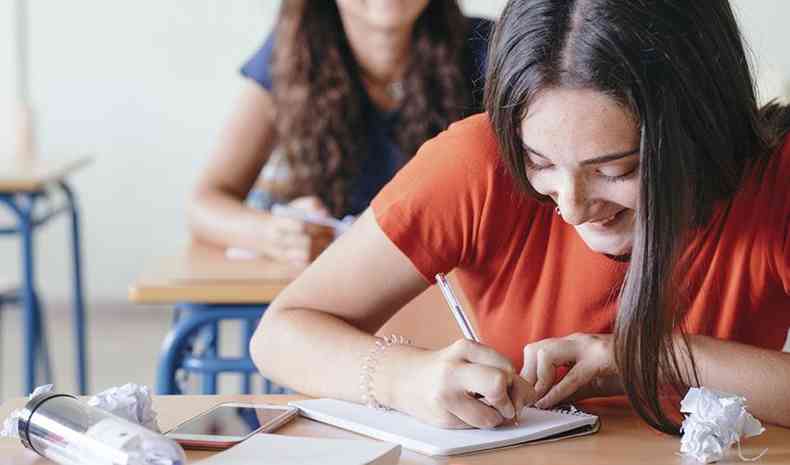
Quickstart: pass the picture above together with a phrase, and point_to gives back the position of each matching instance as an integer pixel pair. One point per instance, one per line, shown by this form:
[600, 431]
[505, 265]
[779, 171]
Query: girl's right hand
[296, 241]
[464, 385]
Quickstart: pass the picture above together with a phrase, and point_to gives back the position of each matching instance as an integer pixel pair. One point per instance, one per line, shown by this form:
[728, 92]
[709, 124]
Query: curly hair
[322, 123]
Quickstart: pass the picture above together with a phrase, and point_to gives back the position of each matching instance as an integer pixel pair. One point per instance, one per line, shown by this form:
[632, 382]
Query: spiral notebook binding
[570, 410]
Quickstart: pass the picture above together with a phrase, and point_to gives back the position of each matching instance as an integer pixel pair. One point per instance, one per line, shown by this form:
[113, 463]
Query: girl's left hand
[591, 373]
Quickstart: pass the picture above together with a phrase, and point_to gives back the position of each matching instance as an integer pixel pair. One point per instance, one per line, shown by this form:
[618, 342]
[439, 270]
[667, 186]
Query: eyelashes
[534, 166]
[622, 177]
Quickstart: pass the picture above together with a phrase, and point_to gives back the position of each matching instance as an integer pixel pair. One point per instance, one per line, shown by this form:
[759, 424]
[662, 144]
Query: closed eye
[619, 177]
[532, 165]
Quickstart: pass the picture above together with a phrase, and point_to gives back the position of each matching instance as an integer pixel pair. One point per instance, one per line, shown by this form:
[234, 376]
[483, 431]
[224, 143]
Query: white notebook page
[402, 429]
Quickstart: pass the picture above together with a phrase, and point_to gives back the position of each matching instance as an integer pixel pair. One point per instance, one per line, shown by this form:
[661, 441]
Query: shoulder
[766, 180]
[259, 66]
[473, 135]
[782, 159]
[450, 195]
[762, 206]
[467, 147]
[459, 173]
[462, 155]
[776, 192]
[771, 179]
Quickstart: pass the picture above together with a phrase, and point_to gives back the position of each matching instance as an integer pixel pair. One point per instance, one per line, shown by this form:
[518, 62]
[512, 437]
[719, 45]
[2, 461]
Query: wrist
[393, 375]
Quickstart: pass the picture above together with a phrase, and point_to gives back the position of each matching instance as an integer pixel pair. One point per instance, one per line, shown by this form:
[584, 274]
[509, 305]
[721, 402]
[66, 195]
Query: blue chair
[206, 288]
[192, 347]
[22, 204]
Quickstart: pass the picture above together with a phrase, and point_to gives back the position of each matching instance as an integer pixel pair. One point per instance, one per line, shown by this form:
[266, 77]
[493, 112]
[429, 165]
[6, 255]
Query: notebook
[276, 449]
[534, 426]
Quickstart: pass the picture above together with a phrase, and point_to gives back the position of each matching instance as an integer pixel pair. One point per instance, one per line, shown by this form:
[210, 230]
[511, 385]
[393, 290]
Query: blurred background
[144, 87]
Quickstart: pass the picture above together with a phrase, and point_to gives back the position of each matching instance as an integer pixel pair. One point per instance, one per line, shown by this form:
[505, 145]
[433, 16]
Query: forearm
[320, 355]
[762, 376]
[222, 219]
[216, 210]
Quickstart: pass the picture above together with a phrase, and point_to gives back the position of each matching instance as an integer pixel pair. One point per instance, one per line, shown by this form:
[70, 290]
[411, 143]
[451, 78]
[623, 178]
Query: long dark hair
[321, 104]
[681, 69]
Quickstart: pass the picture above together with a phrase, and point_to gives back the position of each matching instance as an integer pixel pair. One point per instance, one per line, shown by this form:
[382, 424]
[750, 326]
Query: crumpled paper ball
[716, 421]
[130, 401]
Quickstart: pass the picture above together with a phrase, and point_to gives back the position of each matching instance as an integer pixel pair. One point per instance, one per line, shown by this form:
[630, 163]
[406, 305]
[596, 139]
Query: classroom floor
[123, 346]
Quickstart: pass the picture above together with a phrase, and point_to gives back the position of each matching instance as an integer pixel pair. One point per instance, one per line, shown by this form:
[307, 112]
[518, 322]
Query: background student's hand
[440, 391]
[590, 362]
[296, 241]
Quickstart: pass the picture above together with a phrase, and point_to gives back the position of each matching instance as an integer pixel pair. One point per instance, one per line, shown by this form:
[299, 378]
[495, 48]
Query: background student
[621, 209]
[349, 90]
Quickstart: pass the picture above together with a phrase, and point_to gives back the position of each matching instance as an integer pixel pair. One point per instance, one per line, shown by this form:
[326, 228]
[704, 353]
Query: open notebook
[535, 426]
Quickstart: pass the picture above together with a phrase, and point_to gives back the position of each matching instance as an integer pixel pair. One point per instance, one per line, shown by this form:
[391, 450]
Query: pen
[455, 308]
[458, 312]
[308, 217]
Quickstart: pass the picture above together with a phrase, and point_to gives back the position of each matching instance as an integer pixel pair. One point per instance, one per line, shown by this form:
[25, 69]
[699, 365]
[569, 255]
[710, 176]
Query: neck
[382, 54]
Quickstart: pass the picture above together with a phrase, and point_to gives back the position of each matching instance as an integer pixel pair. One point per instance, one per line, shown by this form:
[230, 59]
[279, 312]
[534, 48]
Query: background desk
[37, 174]
[623, 439]
[201, 277]
[207, 288]
[23, 186]
[201, 273]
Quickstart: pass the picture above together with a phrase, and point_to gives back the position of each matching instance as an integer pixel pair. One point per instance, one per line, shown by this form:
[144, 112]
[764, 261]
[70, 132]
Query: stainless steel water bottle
[68, 431]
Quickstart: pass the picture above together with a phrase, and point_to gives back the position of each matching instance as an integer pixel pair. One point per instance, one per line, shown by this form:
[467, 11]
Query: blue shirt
[386, 156]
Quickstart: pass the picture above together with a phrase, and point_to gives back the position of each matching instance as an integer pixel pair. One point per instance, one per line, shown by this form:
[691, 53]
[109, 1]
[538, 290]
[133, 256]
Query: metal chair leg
[30, 317]
[41, 344]
[247, 330]
[79, 303]
[211, 333]
[35, 344]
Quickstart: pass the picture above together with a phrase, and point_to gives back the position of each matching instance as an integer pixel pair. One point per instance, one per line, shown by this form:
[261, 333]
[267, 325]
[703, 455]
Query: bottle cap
[27, 414]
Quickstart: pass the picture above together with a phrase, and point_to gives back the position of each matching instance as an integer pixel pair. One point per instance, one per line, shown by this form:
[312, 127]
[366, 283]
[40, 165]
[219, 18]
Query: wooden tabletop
[623, 438]
[202, 273]
[28, 176]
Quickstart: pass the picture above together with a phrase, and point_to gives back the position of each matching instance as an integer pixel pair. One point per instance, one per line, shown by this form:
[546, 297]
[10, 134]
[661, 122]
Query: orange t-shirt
[528, 274]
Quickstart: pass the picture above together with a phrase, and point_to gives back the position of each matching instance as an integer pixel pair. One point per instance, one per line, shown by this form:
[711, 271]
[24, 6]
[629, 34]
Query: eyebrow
[592, 161]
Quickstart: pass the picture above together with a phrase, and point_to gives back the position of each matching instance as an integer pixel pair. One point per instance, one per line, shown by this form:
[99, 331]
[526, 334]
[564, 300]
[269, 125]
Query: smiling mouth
[608, 220]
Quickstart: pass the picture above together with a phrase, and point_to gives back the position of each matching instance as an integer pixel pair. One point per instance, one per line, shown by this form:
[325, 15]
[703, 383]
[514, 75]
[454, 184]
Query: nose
[571, 198]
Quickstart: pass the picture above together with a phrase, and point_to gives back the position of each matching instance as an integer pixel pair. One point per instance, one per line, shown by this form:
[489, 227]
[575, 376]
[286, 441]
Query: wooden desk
[20, 176]
[202, 274]
[25, 184]
[211, 287]
[623, 438]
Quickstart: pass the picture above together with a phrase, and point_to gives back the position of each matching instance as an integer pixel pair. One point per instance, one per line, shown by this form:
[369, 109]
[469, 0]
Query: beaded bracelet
[369, 364]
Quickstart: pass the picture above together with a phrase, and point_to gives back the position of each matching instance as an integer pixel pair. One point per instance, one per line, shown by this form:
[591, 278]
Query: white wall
[764, 26]
[144, 86]
[7, 78]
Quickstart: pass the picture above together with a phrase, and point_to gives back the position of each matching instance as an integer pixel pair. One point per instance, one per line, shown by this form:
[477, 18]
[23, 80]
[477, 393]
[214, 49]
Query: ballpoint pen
[458, 312]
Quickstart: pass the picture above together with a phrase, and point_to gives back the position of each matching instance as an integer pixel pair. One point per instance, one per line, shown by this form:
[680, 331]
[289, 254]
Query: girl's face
[382, 14]
[582, 150]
